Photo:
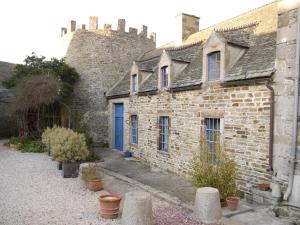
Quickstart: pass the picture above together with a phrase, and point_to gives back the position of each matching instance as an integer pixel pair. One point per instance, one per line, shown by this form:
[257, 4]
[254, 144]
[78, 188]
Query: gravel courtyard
[32, 192]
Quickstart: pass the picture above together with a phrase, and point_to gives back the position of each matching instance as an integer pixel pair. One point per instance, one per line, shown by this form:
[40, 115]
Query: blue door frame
[119, 125]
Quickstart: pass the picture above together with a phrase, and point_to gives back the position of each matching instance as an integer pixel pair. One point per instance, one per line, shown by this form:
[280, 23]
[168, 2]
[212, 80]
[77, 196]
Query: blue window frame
[164, 123]
[213, 66]
[134, 129]
[213, 133]
[134, 83]
[164, 76]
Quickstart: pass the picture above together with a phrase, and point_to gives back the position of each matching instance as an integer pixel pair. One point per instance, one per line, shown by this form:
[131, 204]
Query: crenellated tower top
[107, 29]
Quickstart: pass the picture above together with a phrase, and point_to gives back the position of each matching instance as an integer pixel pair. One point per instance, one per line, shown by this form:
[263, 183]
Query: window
[134, 83]
[134, 129]
[213, 66]
[164, 77]
[213, 133]
[164, 123]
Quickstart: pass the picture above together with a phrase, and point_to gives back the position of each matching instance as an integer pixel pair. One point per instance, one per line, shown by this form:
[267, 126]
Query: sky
[34, 25]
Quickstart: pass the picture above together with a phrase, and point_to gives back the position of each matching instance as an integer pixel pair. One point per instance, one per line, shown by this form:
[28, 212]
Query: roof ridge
[252, 24]
[250, 11]
[183, 46]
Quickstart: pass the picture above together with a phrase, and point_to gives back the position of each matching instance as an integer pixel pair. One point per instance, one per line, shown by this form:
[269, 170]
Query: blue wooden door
[119, 129]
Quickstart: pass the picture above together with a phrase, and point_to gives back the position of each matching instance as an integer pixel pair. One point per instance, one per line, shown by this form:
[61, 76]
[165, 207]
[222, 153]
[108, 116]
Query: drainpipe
[272, 102]
[295, 118]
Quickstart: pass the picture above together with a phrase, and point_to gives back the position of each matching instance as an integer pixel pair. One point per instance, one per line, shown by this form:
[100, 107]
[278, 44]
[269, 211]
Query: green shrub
[92, 157]
[65, 144]
[33, 145]
[14, 140]
[214, 169]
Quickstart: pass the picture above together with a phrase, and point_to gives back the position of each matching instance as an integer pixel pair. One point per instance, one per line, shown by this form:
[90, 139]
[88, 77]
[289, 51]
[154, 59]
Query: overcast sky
[34, 25]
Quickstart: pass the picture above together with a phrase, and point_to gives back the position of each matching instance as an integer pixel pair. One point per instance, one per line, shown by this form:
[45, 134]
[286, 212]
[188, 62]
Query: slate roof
[258, 60]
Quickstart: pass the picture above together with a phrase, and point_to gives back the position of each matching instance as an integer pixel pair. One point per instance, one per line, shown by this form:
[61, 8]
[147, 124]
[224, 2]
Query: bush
[33, 145]
[215, 170]
[65, 144]
[14, 140]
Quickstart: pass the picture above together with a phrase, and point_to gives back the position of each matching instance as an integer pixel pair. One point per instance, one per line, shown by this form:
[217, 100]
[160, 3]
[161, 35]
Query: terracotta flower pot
[15, 146]
[223, 203]
[232, 203]
[95, 185]
[264, 187]
[109, 206]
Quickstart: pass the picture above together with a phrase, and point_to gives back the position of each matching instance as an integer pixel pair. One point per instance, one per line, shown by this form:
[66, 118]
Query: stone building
[236, 78]
[101, 57]
[7, 124]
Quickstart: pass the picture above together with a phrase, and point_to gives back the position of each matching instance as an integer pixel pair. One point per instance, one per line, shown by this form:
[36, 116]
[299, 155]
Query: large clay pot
[95, 185]
[109, 206]
[232, 203]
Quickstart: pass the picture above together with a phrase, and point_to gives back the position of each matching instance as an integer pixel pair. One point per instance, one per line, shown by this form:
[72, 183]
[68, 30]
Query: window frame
[134, 83]
[164, 133]
[134, 129]
[164, 77]
[214, 77]
[213, 125]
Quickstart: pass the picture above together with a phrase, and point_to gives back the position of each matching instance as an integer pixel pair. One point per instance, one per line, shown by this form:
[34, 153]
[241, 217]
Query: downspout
[272, 102]
[295, 116]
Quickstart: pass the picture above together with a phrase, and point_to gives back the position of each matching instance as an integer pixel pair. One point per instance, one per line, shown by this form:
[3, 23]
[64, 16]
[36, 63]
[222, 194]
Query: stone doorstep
[176, 201]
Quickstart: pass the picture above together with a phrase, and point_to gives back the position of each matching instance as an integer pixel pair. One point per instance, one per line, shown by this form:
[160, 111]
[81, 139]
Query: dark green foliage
[35, 65]
[14, 140]
[92, 157]
[33, 145]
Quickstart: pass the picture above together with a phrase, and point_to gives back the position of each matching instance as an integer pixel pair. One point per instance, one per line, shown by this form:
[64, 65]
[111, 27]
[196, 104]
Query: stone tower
[101, 57]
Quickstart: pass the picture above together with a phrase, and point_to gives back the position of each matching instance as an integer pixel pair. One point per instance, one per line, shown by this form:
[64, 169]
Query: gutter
[295, 116]
[271, 135]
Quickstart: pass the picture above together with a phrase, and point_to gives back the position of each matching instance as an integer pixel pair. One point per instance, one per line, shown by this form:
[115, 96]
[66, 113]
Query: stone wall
[101, 57]
[284, 88]
[245, 118]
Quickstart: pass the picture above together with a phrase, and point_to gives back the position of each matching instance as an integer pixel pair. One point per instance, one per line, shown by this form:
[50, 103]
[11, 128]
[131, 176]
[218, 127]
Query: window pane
[134, 83]
[164, 77]
[213, 133]
[214, 66]
[134, 129]
[163, 133]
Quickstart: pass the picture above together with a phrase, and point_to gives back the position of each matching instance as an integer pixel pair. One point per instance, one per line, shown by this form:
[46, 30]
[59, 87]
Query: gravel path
[32, 192]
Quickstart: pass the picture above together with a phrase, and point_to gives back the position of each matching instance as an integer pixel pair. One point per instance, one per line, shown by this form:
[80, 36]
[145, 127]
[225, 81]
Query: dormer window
[134, 83]
[213, 66]
[164, 77]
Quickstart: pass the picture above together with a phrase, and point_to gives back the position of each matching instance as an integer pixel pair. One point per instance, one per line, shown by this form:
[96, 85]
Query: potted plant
[214, 168]
[232, 202]
[69, 148]
[15, 143]
[109, 206]
[264, 186]
[92, 175]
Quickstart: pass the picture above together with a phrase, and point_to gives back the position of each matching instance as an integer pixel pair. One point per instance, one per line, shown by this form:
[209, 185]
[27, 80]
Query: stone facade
[101, 56]
[244, 112]
[244, 108]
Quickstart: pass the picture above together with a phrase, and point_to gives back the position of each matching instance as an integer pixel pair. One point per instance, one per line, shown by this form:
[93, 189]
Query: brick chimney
[186, 25]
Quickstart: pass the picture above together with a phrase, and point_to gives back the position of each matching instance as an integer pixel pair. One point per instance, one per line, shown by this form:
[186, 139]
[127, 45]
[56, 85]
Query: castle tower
[101, 57]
